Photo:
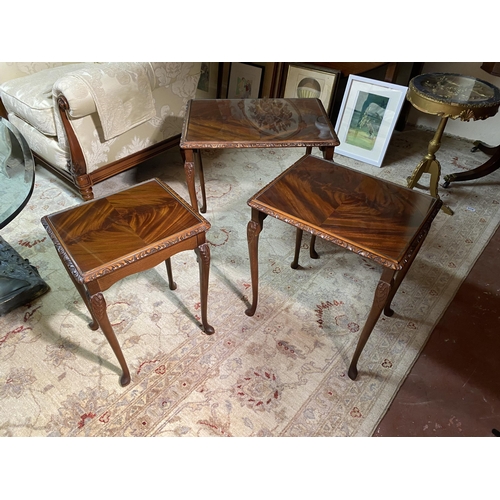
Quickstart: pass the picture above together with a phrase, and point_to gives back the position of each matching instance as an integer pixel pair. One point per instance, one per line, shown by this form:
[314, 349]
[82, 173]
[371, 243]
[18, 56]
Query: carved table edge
[120, 263]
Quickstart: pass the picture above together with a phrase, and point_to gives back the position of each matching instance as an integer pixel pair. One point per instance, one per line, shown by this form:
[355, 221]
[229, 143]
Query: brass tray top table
[252, 123]
[104, 240]
[374, 218]
[448, 95]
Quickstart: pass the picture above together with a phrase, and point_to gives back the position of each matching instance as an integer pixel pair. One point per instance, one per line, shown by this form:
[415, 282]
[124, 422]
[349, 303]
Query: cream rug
[282, 372]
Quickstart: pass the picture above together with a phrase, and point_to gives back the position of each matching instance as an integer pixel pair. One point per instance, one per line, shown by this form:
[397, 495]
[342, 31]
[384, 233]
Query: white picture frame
[367, 117]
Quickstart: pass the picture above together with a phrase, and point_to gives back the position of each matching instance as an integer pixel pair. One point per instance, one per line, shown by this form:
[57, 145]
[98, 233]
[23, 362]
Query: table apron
[96, 282]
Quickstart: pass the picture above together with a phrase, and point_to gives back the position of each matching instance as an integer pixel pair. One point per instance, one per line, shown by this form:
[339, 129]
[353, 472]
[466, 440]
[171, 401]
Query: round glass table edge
[29, 170]
[416, 86]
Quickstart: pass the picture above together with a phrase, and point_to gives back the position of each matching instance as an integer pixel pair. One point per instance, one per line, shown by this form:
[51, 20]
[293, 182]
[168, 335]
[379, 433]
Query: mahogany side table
[251, 123]
[106, 239]
[374, 218]
[448, 95]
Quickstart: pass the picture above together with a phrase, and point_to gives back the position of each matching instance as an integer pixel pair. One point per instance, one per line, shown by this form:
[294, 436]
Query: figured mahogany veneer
[104, 240]
[374, 218]
[252, 123]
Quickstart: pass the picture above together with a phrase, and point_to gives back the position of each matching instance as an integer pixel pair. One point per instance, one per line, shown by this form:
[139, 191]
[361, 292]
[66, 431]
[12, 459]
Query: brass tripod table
[448, 95]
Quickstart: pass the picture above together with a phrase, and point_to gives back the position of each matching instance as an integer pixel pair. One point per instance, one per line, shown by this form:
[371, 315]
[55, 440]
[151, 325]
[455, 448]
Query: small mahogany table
[104, 240]
[366, 215]
[252, 123]
[448, 95]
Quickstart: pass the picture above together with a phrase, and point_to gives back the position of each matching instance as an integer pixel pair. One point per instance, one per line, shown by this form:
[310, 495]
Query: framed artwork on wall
[245, 81]
[208, 82]
[367, 117]
[305, 80]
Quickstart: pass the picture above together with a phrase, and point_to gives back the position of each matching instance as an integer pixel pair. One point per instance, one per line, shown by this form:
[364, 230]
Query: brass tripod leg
[430, 165]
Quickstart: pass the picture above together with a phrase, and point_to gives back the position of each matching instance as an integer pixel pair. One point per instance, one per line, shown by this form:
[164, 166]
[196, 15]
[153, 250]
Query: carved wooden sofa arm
[72, 137]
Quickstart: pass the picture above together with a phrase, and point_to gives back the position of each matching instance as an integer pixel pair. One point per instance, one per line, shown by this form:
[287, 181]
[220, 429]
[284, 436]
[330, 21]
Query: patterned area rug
[282, 372]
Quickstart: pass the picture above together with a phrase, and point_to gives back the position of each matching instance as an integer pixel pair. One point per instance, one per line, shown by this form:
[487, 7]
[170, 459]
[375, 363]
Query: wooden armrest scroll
[77, 163]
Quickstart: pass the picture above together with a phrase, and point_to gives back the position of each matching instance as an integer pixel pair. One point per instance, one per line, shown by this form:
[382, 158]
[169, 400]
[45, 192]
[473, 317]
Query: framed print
[367, 117]
[208, 82]
[303, 80]
[245, 81]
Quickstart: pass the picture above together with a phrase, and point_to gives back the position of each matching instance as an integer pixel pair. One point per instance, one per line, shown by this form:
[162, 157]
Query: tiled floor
[454, 387]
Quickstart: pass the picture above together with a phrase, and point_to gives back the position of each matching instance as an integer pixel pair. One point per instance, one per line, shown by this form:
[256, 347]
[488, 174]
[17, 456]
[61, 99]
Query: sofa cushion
[30, 97]
[45, 147]
[122, 93]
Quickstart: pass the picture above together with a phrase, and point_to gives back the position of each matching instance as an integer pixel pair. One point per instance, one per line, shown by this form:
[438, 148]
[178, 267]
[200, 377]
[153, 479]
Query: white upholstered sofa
[89, 121]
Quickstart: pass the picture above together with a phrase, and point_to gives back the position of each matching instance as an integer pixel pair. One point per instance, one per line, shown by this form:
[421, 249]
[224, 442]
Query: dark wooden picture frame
[307, 80]
[208, 84]
[245, 81]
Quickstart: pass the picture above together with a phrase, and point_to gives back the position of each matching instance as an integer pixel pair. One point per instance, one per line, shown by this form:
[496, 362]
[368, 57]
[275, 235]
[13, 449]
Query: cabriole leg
[189, 170]
[171, 283]
[203, 255]
[254, 228]
[298, 242]
[379, 301]
[99, 307]
[203, 208]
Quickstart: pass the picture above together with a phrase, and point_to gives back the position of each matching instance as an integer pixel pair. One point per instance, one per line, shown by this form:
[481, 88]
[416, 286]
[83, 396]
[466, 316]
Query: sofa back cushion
[30, 97]
[11, 70]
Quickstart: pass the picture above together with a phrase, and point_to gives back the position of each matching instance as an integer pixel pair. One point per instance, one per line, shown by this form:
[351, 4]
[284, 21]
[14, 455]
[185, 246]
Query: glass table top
[266, 122]
[17, 172]
[452, 88]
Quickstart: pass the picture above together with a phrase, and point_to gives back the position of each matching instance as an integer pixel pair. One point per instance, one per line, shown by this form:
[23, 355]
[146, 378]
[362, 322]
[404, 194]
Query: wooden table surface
[366, 214]
[117, 230]
[256, 123]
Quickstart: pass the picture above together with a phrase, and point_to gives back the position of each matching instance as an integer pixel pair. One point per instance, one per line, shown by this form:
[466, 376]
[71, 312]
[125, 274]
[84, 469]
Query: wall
[485, 130]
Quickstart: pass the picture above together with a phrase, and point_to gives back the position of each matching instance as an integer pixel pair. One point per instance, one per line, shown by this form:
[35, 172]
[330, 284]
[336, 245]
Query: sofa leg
[84, 186]
[87, 195]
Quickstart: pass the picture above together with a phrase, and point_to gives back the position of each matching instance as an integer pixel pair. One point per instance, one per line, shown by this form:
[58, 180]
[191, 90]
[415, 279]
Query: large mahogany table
[374, 218]
[104, 240]
[252, 123]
